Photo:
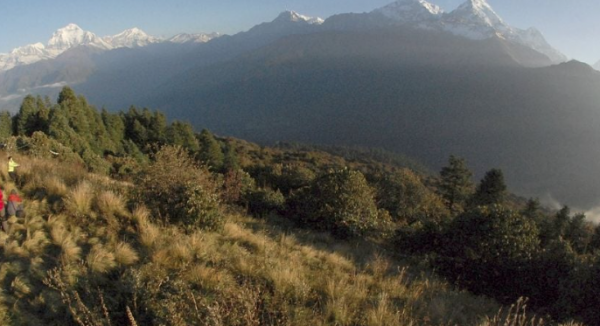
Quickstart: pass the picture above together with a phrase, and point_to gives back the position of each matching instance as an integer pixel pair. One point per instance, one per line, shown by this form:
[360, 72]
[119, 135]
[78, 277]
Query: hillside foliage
[135, 220]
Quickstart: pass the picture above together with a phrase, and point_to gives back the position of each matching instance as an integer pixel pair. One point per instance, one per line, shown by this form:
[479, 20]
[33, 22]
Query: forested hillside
[132, 220]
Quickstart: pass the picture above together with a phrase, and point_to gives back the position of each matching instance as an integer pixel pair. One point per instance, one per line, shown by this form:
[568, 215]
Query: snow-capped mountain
[534, 39]
[413, 11]
[597, 66]
[63, 39]
[71, 36]
[193, 38]
[294, 17]
[23, 55]
[474, 19]
[131, 38]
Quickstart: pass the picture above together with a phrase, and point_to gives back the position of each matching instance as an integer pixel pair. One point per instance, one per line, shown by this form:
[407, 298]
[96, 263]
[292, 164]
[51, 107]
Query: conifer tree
[157, 130]
[491, 189]
[115, 128]
[27, 112]
[6, 129]
[182, 134]
[532, 209]
[67, 96]
[210, 151]
[231, 161]
[455, 183]
[42, 115]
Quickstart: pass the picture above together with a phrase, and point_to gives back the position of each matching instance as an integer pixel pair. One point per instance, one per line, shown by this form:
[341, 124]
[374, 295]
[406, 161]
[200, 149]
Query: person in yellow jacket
[11, 169]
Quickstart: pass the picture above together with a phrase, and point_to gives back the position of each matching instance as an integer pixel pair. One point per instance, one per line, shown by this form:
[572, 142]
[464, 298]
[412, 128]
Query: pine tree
[182, 134]
[491, 189]
[231, 162]
[157, 130]
[455, 184]
[6, 129]
[27, 112]
[42, 118]
[115, 127]
[210, 151]
[67, 96]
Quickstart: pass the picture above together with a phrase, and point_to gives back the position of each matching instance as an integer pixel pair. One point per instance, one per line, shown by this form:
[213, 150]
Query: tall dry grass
[67, 264]
[79, 200]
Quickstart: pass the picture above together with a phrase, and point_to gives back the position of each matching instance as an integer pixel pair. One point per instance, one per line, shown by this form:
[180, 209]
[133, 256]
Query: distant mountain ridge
[474, 19]
[72, 36]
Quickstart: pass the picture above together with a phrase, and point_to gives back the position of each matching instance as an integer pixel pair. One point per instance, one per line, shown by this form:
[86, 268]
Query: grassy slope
[82, 257]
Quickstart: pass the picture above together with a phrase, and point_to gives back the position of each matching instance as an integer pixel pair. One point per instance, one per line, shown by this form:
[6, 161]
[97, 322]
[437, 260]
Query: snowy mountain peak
[477, 14]
[410, 11]
[294, 17]
[418, 13]
[193, 38]
[131, 38]
[71, 36]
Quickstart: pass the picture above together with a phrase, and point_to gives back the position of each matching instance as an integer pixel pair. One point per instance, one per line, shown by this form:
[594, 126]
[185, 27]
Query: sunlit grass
[79, 200]
[251, 272]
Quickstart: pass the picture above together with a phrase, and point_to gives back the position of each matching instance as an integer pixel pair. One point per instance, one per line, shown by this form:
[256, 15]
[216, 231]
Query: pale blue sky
[572, 26]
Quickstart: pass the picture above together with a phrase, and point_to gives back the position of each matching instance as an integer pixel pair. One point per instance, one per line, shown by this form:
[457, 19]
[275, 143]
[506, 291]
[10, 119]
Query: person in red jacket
[14, 205]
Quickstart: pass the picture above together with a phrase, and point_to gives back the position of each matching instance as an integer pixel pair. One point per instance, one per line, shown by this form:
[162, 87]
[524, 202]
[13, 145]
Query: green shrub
[408, 199]
[201, 207]
[263, 201]
[340, 201]
[490, 250]
[179, 191]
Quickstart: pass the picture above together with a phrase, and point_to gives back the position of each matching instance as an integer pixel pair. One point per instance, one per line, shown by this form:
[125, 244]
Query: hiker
[11, 169]
[14, 205]
[3, 212]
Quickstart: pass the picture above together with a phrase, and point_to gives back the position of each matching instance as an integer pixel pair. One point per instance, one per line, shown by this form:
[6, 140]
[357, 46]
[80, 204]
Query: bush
[179, 191]
[263, 201]
[341, 202]
[490, 251]
[419, 237]
[408, 199]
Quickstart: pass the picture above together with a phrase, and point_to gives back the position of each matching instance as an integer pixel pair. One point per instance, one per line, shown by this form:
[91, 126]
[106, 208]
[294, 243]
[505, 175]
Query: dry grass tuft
[209, 277]
[21, 286]
[100, 259]
[148, 234]
[379, 266]
[141, 215]
[125, 255]
[70, 252]
[163, 258]
[36, 242]
[33, 222]
[79, 200]
[180, 252]
[55, 186]
[110, 204]
[13, 250]
[382, 313]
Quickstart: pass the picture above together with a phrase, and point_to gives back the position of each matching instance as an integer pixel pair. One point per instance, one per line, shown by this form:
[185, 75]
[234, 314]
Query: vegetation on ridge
[160, 233]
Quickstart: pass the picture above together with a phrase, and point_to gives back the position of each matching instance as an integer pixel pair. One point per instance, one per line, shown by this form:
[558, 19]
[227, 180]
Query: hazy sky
[572, 26]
